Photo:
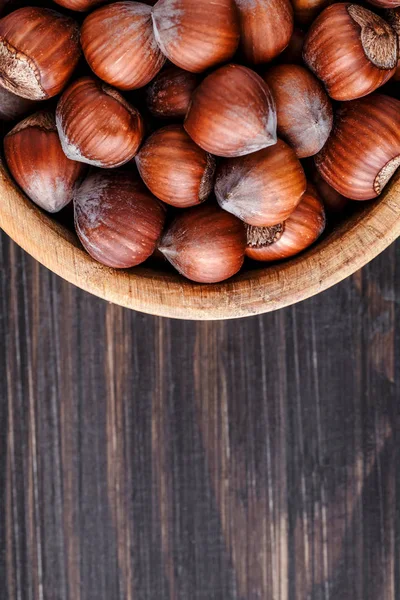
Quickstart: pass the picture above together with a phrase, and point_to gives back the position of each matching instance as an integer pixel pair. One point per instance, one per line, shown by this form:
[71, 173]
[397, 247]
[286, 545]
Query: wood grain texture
[151, 459]
[347, 248]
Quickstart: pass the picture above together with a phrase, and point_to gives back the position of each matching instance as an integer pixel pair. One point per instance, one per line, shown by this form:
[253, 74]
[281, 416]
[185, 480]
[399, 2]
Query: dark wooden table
[151, 459]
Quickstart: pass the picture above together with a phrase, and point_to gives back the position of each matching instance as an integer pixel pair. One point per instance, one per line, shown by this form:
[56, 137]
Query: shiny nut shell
[298, 232]
[175, 169]
[169, 94]
[232, 113]
[266, 28]
[38, 164]
[352, 50]
[119, 45]
[197, 35]
[205, 244]
[304, 111]
[263, 188]
[117, 220]
[80, 5]
[363, 150]
[96, 125]
[39, 49]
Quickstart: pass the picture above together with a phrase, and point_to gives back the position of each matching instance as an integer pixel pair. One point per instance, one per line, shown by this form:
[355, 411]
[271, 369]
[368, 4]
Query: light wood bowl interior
[340, 253]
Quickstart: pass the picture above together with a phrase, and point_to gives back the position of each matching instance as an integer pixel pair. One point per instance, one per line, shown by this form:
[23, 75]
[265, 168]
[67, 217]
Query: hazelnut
[363, 150]
[262, 188]
[303, 108]
[197, 35]
[175, 169]
[232, 113]
[352, 50]
[298, 232]
[266, 28]
[119, 45]
[80, 5]
[117, 220]
[39, 49]
[306, 11]
[205, 244]
[169, 94]
[36, 161]
[96, 125]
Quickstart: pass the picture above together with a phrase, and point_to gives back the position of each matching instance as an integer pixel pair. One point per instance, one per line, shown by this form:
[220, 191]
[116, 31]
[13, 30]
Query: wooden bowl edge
[343, 252]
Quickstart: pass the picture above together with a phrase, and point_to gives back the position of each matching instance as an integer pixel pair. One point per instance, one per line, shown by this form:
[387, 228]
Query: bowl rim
[342, 252]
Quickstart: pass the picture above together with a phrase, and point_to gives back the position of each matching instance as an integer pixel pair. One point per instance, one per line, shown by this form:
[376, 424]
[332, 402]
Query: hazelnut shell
[97, 125]
[352, 50]
[205, 244]
[197, 35]
[175, 169]
[119, 45]
[232, 113]
[169, 94]
[39, 50]
[80, 5]
[263, 188]
[266, 28]
[117, 220]
[298, 232]
[38, 164]
[363, 150]
[304, 111]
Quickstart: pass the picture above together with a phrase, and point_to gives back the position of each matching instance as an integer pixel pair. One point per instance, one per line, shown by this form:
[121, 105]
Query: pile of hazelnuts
[213, 163]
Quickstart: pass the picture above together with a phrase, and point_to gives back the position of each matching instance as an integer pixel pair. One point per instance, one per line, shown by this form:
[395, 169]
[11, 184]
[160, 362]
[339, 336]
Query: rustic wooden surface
[148, 459]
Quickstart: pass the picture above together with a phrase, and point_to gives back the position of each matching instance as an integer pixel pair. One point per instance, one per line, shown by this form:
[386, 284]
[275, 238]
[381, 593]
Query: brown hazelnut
[36, 161]
[119, 45]
[303, 108]
[232, 113]
[205, 244]
[175, 169]
[197, 35]
[363, 150]
[262, 188]
[80, 5]
[169, 94]
[352, 50]
[96, 125]
[39, 49]
[266, 28]
[117, 220]
[306, 11]
[298, 232]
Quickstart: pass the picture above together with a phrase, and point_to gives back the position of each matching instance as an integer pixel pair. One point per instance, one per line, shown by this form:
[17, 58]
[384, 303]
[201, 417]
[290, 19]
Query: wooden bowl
[349, 247]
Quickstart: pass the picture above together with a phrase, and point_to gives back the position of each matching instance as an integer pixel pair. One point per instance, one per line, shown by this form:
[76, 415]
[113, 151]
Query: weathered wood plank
[151, 459]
